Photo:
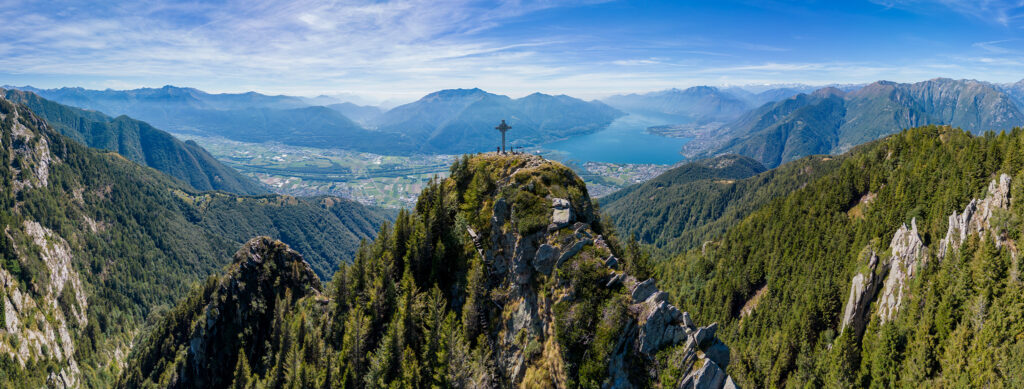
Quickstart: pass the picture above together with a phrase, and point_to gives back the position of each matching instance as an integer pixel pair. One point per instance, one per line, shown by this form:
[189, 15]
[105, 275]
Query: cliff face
[502, 277]
[37, 318]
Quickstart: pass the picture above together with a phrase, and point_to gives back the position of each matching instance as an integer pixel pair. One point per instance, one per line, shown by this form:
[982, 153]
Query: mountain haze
[447, 121]
[463, 120]
[1016, 92]
[695, 104]
[362, 114]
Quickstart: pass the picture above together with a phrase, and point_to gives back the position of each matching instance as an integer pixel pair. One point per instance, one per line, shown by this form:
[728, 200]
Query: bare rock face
[863, 289]
[30, 148]
[644, 290]
[561, 213]
[976, 217]
[660, 326]
[46, 339]
[907, 254]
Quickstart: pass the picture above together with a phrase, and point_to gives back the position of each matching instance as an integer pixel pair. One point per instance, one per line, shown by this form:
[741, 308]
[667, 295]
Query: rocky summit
[501, 277]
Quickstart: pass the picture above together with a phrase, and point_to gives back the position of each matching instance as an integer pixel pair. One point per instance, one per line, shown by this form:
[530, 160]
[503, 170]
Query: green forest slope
[779, 281]
[689, 205]
[93, 244]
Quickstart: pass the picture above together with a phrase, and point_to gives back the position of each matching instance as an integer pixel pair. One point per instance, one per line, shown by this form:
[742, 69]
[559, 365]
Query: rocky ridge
[976, 217]
[908, 253]
[544, 299]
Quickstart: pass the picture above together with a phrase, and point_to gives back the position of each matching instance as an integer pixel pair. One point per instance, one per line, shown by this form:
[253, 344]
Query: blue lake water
[626, 140]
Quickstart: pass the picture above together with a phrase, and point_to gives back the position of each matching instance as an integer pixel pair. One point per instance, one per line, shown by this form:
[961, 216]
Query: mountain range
[140, 143]
[695, 104]
[449, 121]
[831, 120]
[459, 120]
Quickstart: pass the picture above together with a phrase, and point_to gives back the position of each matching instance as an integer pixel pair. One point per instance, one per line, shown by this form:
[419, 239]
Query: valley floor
[374, 179]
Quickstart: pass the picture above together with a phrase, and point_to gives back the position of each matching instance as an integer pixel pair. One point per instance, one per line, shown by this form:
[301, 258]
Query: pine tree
[354, 347]
[473, 313]
[242, 372]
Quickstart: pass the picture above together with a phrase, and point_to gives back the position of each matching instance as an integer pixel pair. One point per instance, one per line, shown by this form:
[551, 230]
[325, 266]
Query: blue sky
[402, 49]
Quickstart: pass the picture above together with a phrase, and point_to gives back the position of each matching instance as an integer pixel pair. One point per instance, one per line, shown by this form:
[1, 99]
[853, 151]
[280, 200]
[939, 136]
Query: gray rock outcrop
[907, 254]
[863, 289]
[46, 338]
[976, 217]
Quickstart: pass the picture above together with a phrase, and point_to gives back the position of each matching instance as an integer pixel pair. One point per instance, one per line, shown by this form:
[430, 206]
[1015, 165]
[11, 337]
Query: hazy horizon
[400, 50]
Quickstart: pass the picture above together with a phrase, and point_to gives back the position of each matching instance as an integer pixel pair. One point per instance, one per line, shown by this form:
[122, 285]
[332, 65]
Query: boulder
[729, 384]
[571, 250]
[644, 290]
[708, 376]
[561, 214]
[705, 336]
[659, 327]
[616, 280]
[685, 318]
[611, 262]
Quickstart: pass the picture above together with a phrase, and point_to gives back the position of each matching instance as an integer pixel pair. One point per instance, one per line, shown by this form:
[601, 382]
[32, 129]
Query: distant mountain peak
[828, 92]
[455, 93]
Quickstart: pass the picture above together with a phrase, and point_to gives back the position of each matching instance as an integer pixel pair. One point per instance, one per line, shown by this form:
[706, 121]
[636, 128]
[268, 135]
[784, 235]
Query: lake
[626, 140]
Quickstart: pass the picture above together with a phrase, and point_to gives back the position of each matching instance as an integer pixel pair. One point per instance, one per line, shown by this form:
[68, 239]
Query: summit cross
[503, 128]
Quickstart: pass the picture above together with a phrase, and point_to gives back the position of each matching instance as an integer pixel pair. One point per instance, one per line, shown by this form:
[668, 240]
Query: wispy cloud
[304, 41]
[1003, 12]
[997, 47]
